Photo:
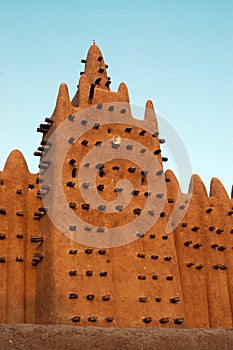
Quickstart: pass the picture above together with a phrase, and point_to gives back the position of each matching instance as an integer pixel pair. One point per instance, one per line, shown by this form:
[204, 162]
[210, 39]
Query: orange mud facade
[183, 279]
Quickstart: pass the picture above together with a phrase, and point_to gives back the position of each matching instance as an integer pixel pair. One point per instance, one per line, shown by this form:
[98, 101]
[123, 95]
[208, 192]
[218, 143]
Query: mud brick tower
[183, 279]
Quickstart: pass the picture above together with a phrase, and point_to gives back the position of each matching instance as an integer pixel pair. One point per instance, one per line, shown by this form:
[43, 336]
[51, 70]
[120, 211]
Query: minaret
[94, 83]
[84, 283]
[95, 68]
[175, 272]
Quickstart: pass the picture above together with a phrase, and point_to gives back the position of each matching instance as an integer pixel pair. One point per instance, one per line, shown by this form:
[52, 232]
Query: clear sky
[177, 53]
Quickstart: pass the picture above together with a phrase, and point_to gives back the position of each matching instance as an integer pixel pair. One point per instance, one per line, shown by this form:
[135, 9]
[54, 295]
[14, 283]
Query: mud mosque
[181, 279]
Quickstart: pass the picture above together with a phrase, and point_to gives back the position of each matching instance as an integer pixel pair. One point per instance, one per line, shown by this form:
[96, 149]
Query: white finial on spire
[94, 41]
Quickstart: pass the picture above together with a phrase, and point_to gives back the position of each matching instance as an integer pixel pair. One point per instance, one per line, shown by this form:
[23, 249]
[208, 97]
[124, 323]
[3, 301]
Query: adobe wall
[204, 246]
[149, 281]
[180, 279]
[18, 203]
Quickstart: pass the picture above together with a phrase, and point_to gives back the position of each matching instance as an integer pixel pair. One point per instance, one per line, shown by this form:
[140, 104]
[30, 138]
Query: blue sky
[177, 53]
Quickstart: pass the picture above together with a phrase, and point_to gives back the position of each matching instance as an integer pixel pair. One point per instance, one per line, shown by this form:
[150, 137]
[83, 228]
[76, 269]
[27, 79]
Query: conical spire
[16, 164]
[150, 116]
[95, 68]
[123, 90]
[63, 99]
[63, 105]
[217, 189]
[94, 77]
[197, 186]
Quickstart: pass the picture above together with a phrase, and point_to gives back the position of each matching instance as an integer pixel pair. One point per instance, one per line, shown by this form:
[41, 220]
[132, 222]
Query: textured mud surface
[87, 338]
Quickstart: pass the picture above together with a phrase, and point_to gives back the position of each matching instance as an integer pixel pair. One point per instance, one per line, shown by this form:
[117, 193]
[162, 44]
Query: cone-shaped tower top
[197, 186]
[63, 104]
[94, 82]
[95, 68]
[217, 189]
[16, 164]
